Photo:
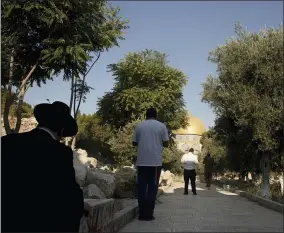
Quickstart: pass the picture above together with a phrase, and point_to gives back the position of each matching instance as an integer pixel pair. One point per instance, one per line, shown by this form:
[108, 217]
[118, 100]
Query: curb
[122, 218]
[125, 216]
[260, 200]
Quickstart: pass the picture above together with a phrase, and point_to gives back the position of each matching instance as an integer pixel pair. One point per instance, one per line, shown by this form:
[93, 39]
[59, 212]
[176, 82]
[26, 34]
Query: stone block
[264, 202]
[100, 213]
[122, 218]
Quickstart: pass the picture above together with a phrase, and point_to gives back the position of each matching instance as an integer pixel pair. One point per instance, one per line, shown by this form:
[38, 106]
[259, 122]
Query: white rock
[82, 152]
[105, 168]
[281, 183]
[249, 176]
[92, 191]
[84, 159]
[80, 170]
[103, 179]
[166, 178]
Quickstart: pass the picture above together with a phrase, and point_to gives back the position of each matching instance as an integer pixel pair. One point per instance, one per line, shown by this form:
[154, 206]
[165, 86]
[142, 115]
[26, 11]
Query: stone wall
[191, 141]
[27, 124]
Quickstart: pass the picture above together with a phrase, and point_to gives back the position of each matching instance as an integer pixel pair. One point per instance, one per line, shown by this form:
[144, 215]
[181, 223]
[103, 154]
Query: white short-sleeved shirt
[150, 135]
[189, 161]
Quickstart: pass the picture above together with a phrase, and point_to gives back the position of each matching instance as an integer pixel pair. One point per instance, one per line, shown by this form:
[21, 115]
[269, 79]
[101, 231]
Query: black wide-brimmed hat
[57, 115]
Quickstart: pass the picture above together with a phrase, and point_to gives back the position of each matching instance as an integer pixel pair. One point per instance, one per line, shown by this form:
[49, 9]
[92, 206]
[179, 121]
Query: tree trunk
[72, 94]
[20, 108]
[73, 139]
[8, 103]
[265, 168]
[9, 98]
[67, 139]
[84, 79]
[74, 98]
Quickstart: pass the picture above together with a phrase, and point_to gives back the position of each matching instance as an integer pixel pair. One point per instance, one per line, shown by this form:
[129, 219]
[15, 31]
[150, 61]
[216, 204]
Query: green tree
[121, 145]
[91, 127]
[142, 80]
[25, 25]
[248, 90]
[125, 154]
[44, 36]
[210, 144]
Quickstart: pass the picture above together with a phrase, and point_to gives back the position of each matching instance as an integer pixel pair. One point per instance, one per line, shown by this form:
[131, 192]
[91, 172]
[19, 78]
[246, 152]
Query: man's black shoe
[151, 218]
[185, 193]
[146, 218]
[195, 194]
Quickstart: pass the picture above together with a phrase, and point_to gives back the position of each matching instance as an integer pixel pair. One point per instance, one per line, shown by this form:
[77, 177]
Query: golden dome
[195, 127]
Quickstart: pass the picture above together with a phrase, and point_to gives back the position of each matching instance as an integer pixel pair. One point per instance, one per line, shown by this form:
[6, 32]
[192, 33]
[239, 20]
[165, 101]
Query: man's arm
[165, 137]
[135, 137]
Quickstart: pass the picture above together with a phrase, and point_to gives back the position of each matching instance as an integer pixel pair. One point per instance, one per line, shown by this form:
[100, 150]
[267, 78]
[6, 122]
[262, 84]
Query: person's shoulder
[138, 126]
[64, 148]
[159, 124]
[15, 137]
[65, 151]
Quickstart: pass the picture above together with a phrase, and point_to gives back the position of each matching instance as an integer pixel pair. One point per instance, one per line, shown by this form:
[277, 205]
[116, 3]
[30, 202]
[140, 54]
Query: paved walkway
[210, 211]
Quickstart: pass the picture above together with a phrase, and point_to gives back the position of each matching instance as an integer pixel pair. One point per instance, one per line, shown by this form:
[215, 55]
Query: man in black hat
[39, 190]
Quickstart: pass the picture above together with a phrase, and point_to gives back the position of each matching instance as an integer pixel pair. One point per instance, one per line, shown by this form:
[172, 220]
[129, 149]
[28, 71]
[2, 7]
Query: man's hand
[166, 143]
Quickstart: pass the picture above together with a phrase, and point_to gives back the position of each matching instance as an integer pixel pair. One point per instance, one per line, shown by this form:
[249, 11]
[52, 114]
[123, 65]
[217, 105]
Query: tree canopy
[249, 86]
[44, 38]
[247, 96]
[142, 80]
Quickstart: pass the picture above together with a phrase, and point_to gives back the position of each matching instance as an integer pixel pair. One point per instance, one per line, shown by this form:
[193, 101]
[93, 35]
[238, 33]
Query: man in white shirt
[189, 161]
[150, 136]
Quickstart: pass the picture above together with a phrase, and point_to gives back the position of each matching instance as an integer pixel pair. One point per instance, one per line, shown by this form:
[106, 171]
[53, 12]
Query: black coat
[39, 191]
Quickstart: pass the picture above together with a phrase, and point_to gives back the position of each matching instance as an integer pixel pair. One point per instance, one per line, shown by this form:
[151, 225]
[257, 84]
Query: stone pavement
[210, 211]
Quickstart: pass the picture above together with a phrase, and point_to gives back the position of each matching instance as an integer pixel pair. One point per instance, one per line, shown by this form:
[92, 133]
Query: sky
[186, 31]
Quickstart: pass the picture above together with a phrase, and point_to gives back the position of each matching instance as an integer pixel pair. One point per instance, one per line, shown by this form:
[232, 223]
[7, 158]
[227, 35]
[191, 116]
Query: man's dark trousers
[189, 175]
[147, 189]
[208, 178]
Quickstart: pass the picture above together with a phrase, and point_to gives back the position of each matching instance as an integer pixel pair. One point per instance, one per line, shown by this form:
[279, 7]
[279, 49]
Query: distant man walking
[150, 136]
[208, 169]
[189, 161]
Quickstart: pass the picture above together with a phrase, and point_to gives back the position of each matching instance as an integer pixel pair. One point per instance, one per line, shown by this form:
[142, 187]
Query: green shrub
[174, 167]
[125, 153]
[121, 145]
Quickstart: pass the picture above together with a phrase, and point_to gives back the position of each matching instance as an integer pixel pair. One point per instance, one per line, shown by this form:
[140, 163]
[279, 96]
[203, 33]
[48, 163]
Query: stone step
[108, 215]
[101, 213]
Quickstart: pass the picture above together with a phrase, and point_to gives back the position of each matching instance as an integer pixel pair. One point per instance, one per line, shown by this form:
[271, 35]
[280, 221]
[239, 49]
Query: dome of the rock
[195, 127]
